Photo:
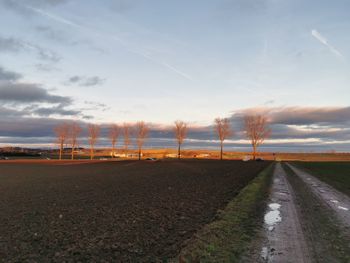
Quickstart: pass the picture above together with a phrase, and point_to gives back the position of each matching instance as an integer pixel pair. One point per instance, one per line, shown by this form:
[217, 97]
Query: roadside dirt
[284, 238]
[337, 201]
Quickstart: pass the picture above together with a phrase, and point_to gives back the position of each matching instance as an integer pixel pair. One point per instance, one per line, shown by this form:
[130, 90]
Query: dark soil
[111, 211]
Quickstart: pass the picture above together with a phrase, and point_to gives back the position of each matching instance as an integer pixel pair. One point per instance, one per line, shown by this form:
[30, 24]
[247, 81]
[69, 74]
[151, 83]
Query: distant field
[129, 210]
[191, 154]
[336, 174]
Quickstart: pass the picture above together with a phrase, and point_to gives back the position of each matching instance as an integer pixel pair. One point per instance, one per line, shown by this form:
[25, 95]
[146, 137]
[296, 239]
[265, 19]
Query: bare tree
[113, 135]
[257, 130]
[223, 130]
[74, 132]
[180, 134]
[141, 133]
[94, 133]
[127, 140]
[61, 132]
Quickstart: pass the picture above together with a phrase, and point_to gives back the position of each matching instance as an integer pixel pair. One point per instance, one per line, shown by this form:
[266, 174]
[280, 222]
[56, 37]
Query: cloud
[321, 129]
[321, 123]
[45, 67]
[310, 115]
[57, 110]
[325, 42]
[28, 93]
[85, 81]
[8, 75]
[10, 44]
[31, 99]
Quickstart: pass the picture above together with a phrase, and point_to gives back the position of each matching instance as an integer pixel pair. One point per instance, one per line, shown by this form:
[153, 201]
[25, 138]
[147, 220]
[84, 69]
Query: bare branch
[74, 132]
[141, 133]
[257, 130]
[113, 135]
[61, 132]
[94, 133]
[223, 130]
[127, 140]
[180, 131]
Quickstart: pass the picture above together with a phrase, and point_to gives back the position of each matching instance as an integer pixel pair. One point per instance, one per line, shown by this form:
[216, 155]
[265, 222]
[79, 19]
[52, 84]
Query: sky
[115, 61]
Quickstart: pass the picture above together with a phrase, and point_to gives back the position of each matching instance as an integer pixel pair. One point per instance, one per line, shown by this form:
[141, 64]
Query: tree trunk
[61, 148]
[113, 149]
[179, 152]
[91, 153]
[139, 154]
[221, 150]
[254, 152]
[72, 152]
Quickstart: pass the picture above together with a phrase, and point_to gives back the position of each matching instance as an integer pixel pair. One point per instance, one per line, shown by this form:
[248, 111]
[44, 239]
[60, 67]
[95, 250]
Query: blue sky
[158, 61]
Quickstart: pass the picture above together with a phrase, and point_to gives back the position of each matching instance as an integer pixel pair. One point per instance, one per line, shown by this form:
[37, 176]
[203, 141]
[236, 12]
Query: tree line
[256, 129]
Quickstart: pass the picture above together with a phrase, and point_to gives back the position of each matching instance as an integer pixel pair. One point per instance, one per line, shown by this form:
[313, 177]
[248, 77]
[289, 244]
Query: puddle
[264, 253]
[282, 193]
[273, 217]
[274, 206]
[343, 208]
[334, 201]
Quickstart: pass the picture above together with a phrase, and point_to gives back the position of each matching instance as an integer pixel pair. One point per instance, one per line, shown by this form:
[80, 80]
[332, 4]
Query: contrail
[324, 41]
[53, 17]
[120, 41]
[146, 56]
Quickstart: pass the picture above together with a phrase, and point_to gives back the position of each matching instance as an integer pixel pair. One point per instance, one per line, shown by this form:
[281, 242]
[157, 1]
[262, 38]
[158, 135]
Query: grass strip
[329, 241]
[228, 238]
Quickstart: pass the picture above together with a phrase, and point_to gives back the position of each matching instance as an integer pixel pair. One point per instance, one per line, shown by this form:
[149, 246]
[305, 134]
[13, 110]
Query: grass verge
[229, 237]
[329, 241]
[336, 174]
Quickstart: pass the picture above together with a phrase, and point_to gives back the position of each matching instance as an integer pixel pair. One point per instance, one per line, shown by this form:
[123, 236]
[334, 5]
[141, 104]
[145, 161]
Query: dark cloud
[28, 93]
[74, 79]
[58, 110]
[307, 116]
[300, 115]
[8, 75]
[85, 81]
[19, 99]
[320, 123]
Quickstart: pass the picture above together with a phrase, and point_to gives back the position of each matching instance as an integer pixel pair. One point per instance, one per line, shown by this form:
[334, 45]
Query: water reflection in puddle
[343, 208]
[264, 253]
[273, 216]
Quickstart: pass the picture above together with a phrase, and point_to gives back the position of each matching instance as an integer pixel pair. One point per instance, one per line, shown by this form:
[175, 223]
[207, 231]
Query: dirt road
[285, 241]
[306, 220]
[337, 201]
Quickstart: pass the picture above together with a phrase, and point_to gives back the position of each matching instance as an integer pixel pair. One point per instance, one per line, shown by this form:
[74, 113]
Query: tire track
[285, 240]
[337, 201]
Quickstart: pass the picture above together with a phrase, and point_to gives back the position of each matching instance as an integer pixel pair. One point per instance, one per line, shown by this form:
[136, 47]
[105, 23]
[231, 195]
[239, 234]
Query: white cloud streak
[120, 41]
[325, 42]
